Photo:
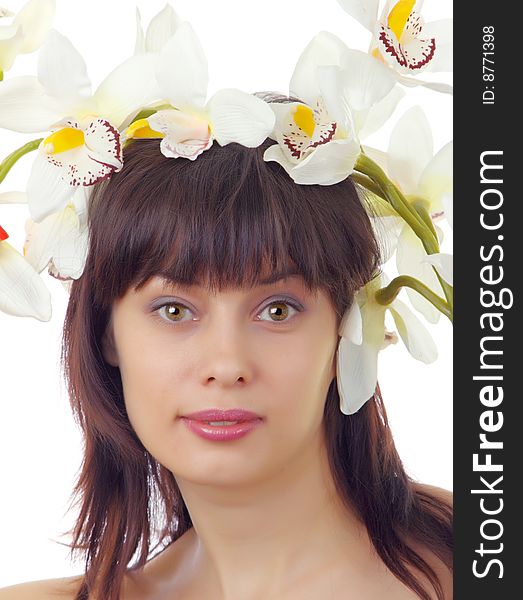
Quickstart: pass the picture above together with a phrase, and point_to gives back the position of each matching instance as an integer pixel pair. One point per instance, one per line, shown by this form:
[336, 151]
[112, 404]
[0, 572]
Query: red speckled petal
[88, 164]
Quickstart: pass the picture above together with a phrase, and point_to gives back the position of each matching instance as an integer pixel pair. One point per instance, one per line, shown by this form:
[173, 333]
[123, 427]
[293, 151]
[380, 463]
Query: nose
[226, 360]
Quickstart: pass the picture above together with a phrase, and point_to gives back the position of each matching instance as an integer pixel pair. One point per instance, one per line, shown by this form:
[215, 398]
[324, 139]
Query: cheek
[300, 375]
[150, 375]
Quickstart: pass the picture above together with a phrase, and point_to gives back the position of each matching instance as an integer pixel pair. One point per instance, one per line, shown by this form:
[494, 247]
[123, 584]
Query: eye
[279, 310]
[173, 311]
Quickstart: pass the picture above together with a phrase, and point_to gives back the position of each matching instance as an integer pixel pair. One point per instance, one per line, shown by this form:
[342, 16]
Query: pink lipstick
[222, 425]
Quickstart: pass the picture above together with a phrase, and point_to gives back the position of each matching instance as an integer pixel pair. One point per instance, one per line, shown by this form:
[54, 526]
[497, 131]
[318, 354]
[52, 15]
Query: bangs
[227, 219]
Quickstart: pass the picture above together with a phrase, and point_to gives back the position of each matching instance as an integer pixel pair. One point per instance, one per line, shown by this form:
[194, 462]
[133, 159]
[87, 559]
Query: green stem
[375, 173]
[1, 75]
[386, 295]
[419, 207]
[368, 184]
[9, 161]
[147, 112]
[416, 216]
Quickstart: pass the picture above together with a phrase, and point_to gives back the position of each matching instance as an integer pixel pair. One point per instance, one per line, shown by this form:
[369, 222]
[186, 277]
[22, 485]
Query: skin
[267, 520]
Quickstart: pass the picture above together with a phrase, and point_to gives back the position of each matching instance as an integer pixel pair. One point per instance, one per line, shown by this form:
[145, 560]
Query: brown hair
[222, 216]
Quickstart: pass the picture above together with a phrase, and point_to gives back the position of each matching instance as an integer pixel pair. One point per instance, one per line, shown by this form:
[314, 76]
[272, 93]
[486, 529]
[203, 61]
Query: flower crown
[161, 92]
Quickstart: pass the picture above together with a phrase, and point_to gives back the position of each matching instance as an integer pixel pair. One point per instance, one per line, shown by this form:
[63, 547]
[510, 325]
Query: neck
[268, 535]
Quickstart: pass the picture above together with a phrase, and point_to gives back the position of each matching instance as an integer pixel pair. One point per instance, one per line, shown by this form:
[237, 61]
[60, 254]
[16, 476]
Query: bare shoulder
[64, 588]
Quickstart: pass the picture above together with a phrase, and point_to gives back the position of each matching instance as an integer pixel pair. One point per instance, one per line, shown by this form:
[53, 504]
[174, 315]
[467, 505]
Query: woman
[220, 284]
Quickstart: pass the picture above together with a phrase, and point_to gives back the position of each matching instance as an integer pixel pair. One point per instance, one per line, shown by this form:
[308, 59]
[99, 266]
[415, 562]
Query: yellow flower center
[304, 119]
[398, 16]
[64, 139]
[141, 129]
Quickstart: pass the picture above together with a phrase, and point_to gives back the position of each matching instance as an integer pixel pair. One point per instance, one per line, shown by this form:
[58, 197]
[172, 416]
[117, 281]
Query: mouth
[221, 430]
[219, 417]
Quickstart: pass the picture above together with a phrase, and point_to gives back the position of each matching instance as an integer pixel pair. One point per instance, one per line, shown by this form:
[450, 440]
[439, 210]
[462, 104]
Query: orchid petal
[47, 192]
[127, 88]
[366, 80]
[442, 31]
[335, 99]
[444, 88]
[356, 364]
[436, 179]
[139, 45]
[378, 156]
[327, 164]
[410, 261]
[59, 239]
[323, 50]
[364, 11]
[387, 229]
[80, 201]
[182, 71]
[448, 208]
[62, 70]
[13, 198]
[413, 333]
[180, 125]
[282, 112]
[190, 149]
[161, 28]
[443, 263]
[410, 149]
[84, 165]
[356, 374]
[240, 117]
[304, 129]
[380, 112]
[25, 107]
[11, 40]
[185, 135]
[373, 315]
[103, 145]
[351, 326]
[22, 291]
[36, 18]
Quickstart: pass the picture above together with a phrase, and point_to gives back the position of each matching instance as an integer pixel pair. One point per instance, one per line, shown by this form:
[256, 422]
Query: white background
[253, 46]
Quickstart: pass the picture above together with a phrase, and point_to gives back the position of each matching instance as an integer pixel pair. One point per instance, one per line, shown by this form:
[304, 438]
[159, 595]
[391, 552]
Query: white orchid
[59, 242]
[159, 31]
[344, 95]
[13, 198]
[191, 124]
[401, 39]
[363, 335]
[443, 263]
[426, 179]
[27, 31]
[22, 291]
[84, 146]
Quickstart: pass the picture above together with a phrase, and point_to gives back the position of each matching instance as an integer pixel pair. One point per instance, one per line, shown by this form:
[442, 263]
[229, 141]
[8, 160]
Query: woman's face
[269, 349]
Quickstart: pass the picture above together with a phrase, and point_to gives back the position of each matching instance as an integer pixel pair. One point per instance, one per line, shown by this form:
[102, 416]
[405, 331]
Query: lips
[216, 414]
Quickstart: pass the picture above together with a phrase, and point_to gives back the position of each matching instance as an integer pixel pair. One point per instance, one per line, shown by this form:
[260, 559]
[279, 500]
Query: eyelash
[283, 299]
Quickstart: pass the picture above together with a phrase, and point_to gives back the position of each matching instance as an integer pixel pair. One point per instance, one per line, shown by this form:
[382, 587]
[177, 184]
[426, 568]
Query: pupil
[173, 310]
[280, 313]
